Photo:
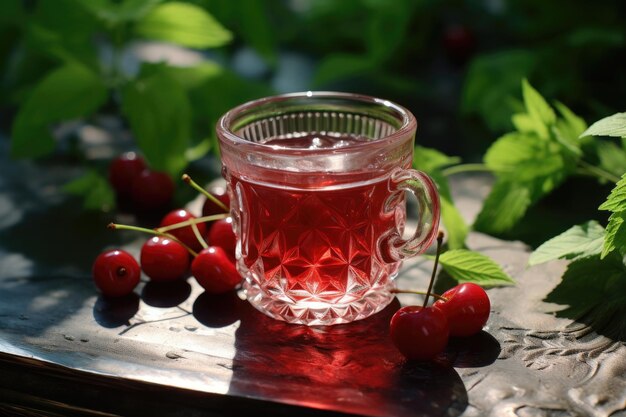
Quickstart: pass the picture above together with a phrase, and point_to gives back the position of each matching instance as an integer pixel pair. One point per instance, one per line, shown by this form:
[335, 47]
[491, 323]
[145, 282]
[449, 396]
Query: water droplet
[191, 328]
[84, 339]
[68, 337]
[173, 355]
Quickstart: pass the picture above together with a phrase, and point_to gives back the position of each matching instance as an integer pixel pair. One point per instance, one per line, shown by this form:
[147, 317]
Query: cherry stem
[437, 296]
[196, 232]
[115, 226]
[191, 222]
[207, 194]
[432, 277]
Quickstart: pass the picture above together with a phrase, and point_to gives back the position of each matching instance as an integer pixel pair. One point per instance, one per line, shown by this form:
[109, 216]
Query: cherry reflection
[352, 368]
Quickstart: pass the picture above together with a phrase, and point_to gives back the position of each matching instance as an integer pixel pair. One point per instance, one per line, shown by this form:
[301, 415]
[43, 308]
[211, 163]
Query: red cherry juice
[318, 243]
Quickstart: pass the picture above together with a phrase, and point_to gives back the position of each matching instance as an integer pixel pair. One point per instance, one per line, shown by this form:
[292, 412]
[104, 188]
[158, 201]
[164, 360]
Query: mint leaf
[62, 31]
[159, 114]
[456, 228]
[198, 150]
[256, 28]
[431, 161]
[428, 159]
[189, 77]
[567, 130]
[454, 224]
[571, 124]
[342, 66]
[614, 125]
[594, 292]
[578, 242]
[468, 266]
[612, 158]
[68, 92]
[114, 13]
[523, 157]
[221, 92]
[492, 85]
[615, 234]
[617, 199]
[184, 24]
[504, 206]
[536, 105]
[95, 190]
[524, 123]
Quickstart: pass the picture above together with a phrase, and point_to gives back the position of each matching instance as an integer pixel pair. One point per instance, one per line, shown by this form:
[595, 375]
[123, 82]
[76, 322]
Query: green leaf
[159, 114]
[617, 199]
[504, 207]
[429, 159]
[256, 29]
[338, 67]
[524, 157]
[524, 123]
[221, 92]
[578, 242]
[197, 151]
[612, 158]
[456, 228]
[492, 85]
[114, 13]
[190, 77]
[467, 266]
[12, 13]
[575, 124]
[615, 238]
[184, 24]
[614, 125]
[594, 292]
[454, 223]
[595, 37]
[536, 105]
[386, 27]
[64, 32]
[69, 92]
[95, 189]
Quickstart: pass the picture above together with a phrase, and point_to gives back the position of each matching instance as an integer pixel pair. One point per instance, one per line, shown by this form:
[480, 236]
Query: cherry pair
[134, 182]
[422, 332]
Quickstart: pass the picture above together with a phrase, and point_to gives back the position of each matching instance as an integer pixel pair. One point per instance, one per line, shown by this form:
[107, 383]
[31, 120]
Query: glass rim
[223, 126]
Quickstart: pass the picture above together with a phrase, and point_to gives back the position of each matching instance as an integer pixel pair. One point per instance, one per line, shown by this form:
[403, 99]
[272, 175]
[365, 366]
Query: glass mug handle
[393, 248]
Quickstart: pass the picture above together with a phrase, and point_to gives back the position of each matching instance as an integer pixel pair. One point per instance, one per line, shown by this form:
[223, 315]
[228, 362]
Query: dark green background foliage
[463, 92]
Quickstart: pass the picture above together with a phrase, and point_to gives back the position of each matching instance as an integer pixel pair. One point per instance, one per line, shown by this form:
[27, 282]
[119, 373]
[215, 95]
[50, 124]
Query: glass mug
[317, 185]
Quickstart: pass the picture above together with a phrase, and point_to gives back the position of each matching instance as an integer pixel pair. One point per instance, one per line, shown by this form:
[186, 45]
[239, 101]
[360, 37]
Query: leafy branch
[593, 286]
[546, 148]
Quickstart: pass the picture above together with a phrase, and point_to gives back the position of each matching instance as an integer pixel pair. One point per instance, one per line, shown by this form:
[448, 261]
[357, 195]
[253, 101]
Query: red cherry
[152, 190]
[163, 259]
[116, 273]
[123, 171]
[209, 208]
[184, 234]
[221, 234]
[459, 43]
[215, 271]
[419, 333]
[467, 309]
